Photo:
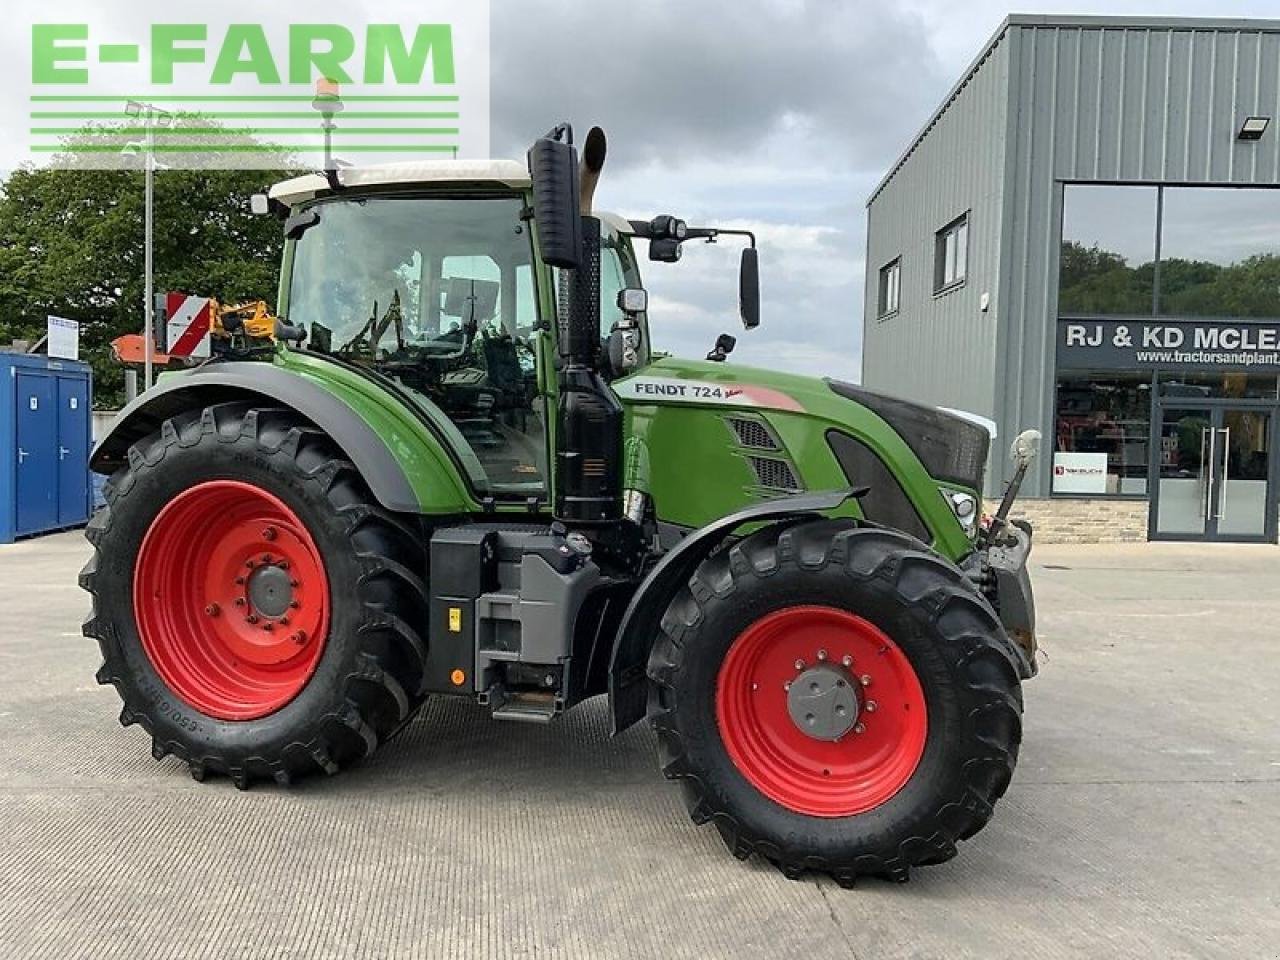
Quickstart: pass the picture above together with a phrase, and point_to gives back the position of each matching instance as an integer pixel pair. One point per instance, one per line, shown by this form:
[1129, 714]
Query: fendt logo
[150, 80]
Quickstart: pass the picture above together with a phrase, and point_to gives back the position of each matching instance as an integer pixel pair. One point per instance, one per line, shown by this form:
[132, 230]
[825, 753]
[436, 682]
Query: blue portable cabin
[45, 440]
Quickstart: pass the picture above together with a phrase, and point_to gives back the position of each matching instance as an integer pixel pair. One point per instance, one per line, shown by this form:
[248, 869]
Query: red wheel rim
[231, 600]
[854, 772]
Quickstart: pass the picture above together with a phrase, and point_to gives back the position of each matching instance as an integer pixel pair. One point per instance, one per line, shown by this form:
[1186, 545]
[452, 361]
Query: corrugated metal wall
[1149, 103]
[941, 349]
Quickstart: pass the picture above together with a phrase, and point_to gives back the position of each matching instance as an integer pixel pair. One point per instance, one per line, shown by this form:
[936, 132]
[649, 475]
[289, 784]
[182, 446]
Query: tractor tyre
[258, 612]
[836, 698]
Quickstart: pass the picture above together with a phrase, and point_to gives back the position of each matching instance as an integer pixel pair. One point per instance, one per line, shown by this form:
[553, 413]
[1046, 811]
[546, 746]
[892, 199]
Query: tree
[71, 244]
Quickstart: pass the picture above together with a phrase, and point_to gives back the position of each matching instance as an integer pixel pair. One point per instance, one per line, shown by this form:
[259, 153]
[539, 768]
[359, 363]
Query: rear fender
[388, 480]
[628, 689]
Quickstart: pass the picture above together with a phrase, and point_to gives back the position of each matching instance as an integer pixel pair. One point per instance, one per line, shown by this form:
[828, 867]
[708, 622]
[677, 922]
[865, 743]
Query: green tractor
[459, 468]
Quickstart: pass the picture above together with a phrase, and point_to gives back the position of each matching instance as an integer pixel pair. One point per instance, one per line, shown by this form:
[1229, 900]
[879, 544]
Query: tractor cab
[428, 274]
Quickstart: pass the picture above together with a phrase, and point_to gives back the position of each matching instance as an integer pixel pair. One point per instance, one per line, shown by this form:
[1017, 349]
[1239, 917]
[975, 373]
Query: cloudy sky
[777, 114]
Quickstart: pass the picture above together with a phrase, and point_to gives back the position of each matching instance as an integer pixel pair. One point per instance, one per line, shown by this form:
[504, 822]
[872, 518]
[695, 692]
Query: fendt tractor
[456, 466]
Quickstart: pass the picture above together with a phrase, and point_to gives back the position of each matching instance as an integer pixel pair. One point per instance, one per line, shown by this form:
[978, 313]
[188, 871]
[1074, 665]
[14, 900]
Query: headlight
[963, 505]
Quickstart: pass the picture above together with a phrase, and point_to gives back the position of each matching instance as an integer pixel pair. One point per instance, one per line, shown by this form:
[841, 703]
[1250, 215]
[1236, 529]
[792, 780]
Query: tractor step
[526, 706]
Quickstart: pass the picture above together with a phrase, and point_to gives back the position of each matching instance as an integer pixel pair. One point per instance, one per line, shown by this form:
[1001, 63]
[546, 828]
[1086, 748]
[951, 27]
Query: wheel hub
[270, 592]
[823, 702]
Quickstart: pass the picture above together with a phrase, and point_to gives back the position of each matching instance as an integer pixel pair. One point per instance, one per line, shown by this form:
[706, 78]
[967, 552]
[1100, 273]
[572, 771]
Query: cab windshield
[438, 294]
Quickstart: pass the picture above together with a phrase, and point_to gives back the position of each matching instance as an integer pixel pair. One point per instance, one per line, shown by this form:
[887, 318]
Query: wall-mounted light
[1253, 128]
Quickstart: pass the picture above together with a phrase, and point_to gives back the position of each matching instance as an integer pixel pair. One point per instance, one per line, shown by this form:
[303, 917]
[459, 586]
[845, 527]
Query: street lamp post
[150, 115]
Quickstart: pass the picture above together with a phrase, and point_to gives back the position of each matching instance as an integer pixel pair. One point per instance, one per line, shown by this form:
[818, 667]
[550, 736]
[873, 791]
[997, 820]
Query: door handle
[22, 455]
[62, 453]
[1226, 472]
[1206, 469]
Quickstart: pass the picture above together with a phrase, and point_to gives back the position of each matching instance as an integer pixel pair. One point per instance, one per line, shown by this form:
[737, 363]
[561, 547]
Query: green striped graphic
[225, 132]
[251, 148]
[243, 98]
[252, 115]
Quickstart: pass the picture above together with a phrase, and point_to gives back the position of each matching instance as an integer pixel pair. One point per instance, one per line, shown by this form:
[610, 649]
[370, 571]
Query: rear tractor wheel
[255, 608]
[837, 699]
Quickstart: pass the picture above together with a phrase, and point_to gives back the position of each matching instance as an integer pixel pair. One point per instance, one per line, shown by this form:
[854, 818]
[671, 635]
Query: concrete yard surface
[1143, 820]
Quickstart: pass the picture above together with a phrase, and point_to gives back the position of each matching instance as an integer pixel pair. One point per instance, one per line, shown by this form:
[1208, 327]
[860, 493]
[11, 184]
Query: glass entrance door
[1213, 473]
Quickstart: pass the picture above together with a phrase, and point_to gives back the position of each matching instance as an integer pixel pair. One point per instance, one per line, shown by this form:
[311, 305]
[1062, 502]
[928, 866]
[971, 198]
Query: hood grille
[774, 474]
[752, 434]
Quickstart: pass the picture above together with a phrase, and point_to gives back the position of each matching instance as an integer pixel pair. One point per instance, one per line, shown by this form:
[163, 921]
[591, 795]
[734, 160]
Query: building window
[890, 288]
[1170, 251]
[951, 254]
[1102, 425]
[1108, 250]
[1219, 252]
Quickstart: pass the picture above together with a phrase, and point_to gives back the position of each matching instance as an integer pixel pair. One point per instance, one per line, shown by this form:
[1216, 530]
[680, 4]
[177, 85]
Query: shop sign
[1079, 472]
[1167, 345]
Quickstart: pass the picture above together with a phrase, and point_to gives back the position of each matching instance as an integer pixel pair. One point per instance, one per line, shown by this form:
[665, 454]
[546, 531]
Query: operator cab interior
[439, 295]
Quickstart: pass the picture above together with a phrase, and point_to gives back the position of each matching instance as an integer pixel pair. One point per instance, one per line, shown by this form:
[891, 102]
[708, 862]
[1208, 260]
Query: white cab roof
[509, 173]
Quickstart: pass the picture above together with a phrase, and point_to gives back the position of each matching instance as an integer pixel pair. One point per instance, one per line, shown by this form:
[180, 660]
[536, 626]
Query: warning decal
[187, 329]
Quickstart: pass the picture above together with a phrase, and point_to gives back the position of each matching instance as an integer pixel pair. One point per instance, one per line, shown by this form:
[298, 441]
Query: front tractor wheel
[836, 699]
[256, 610]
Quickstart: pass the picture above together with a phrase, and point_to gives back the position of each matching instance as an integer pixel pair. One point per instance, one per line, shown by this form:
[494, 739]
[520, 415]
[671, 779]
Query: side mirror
[1025, 448]
[749, 288]
[553, 167]
[633, 300]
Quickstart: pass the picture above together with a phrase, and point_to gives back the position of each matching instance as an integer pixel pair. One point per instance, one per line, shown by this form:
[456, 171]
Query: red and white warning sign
[187, 326]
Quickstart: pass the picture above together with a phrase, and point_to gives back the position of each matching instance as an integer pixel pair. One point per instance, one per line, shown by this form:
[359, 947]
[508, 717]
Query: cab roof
[508, 173]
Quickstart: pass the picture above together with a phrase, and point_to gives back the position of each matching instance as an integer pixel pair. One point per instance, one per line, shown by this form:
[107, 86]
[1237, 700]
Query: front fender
[628, 690]
[405, 466]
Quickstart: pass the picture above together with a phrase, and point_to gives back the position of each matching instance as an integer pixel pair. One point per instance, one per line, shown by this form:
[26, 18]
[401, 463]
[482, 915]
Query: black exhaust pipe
[589, 439]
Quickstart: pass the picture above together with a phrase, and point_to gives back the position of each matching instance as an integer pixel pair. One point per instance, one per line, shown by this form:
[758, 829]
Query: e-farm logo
[199, 91]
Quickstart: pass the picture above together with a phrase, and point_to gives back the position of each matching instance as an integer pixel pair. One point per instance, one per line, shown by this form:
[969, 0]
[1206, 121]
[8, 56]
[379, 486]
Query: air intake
[752, 434]
[775, 474]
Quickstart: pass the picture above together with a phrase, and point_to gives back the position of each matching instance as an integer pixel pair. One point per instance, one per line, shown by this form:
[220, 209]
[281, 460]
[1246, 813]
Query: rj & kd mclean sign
[1167, 344]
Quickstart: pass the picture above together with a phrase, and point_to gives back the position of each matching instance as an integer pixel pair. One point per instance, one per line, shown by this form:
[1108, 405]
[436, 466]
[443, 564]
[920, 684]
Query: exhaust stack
[589, 435]
[593, 151]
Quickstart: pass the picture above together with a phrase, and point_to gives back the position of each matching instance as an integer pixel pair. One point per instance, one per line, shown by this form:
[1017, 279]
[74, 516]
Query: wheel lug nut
[266, 558]
[268, 627]
[284, 621]
[269, 533]
[871, 706]
[252, 618]
[249, 564]
[799, 664]
[300, 637]
[847, 660]
[284, 564]
[239, 581]
[822, 654]
[212, 609]
[239, 601]
[755, 686]
[858, 728]
[294, 604]
[786, 685]
[865, 679]
[294, 583]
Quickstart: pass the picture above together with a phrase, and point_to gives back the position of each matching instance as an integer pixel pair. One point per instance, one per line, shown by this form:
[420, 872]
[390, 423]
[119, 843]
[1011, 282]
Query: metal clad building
[1054, 113]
